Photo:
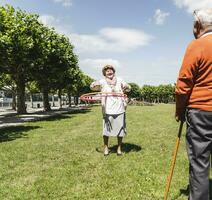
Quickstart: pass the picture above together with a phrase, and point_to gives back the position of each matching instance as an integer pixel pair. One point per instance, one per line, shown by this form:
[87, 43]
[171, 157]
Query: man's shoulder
[200, 41]
[195, 45]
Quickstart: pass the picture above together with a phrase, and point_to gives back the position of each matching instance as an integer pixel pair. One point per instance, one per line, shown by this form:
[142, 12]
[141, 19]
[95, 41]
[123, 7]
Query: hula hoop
[97, 96]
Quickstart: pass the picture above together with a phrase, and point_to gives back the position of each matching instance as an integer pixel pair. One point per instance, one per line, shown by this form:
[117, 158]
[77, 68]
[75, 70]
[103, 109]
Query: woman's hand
[125, 88]
[95, 86]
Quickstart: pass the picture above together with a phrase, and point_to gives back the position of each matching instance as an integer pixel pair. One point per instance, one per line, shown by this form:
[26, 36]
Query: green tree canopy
[135, 91]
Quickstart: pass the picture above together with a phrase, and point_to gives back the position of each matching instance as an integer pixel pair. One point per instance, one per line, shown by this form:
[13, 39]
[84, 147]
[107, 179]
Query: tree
[32, 87]
[69, 74]
[80, 86]
[160, 94]
[56, 59]
[17, 50]
[135, 91]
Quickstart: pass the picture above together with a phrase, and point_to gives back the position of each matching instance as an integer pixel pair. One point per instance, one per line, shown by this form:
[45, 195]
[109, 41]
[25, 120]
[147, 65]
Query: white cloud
[106, 40]
[192, 5]
[111, 40]
[52, 22]
[65, 3]
[160, 16]
[48, 20]
[129, 38]
[99, 63]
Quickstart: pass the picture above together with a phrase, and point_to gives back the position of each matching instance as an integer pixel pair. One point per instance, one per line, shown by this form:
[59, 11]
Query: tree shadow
[12, 133]
[43, 116]
[55, 117]
[126, 148]
[81, 111]
[66, 114]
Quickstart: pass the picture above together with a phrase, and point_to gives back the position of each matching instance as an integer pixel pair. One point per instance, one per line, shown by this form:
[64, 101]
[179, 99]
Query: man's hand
[180, 115]
[181, 104]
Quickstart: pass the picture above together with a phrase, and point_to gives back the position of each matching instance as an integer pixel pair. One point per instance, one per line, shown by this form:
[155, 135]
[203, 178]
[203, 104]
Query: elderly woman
[194, 102]
[113, 107]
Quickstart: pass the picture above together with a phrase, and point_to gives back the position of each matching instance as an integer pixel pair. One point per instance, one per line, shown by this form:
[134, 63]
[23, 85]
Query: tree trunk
[53, 103]
[66, 100]
[76, 98]
[69, 98]
[31, 99]
[46, 105]
[60, 98]
[20, 82]
[14, 98]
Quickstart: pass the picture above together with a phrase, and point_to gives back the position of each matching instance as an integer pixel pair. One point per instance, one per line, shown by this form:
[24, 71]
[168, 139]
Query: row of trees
[153, 94]
[36, 57]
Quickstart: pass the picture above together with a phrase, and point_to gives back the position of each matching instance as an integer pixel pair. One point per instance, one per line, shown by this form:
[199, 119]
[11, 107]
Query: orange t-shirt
[195, 76]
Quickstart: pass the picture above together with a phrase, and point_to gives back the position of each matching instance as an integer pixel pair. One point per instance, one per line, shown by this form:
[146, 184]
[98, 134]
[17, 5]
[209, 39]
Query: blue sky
[144, 40]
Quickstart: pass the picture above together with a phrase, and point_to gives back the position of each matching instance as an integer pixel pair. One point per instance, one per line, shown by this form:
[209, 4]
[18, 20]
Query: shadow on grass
[185, 191]
[126, 148]
[66, 115]
[56, 117]
[82, 111]
[12, 133]
[210, 189]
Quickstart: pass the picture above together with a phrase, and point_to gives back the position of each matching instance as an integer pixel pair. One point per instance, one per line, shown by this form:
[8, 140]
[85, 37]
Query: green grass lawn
[61, 158]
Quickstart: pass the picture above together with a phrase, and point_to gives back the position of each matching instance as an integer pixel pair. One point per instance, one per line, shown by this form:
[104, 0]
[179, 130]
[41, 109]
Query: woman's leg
[119, 152]
[106, 150]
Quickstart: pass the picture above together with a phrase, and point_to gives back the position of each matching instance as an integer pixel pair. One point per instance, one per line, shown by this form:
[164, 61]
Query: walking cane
[173, 161]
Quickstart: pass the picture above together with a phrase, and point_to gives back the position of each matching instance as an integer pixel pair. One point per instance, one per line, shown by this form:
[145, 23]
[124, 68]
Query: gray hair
[204, 16]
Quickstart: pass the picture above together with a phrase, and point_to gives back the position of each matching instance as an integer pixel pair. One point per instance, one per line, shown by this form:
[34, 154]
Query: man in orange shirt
[194, 103]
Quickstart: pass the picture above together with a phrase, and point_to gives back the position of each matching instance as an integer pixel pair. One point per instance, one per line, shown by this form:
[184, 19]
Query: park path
[9, 117]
